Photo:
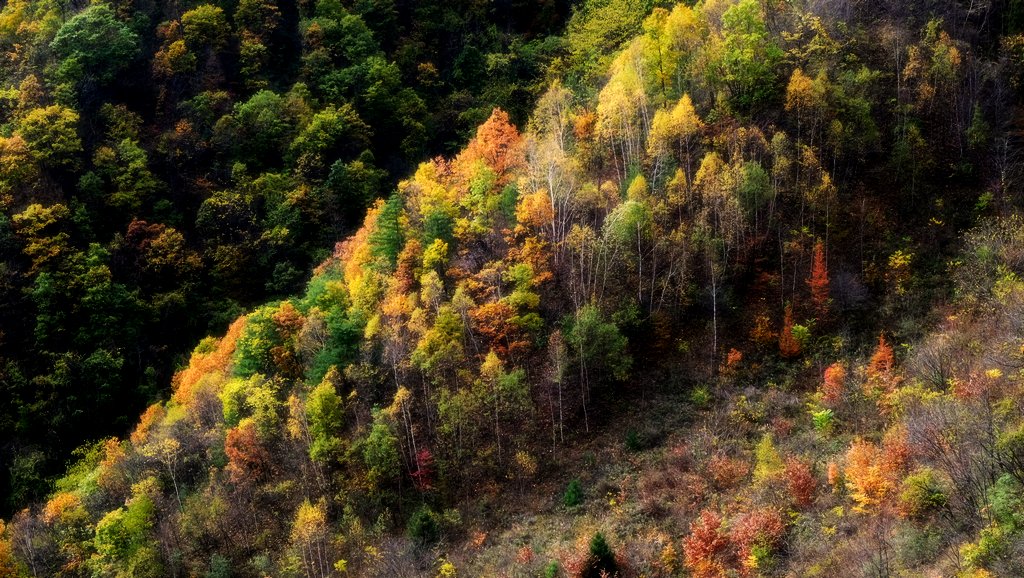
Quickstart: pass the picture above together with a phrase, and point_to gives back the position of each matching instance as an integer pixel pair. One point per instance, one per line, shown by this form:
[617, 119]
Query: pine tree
[602, 560]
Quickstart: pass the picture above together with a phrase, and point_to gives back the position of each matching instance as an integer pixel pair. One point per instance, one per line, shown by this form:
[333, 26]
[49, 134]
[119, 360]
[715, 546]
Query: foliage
[573, 495]
[601, 561]
[509, 314]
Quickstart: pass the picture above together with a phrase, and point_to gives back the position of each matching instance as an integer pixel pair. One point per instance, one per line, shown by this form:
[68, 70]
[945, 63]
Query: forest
[524, 288]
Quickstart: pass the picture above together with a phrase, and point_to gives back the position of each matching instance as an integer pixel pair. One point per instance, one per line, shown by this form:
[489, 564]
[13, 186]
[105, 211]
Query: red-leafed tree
[423, 477]
[800, 482]
[762, 530]
[788, 345]
[818, 282]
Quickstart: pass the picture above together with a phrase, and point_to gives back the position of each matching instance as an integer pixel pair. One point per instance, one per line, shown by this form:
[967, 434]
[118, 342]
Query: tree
[125, 547]
[866, 476]
[749, 55]
[309, 534]
[800, 482]
[598, 345]
[497, 143]
[679, 127]
[769, 463]
[380, 451]
[94, 46]
[51, 133]
[248, 459]
[755, 535]
[332, 133]
[205, 27]
[325, 411]
[819, 282]
[880, 376]
[705, 546]
[8, 563]
[833, 387]
[601, 562]
[789, 346]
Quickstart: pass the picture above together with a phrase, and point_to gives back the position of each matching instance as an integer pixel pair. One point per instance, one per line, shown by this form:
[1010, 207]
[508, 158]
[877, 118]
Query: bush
[700, 397]
[922, 493]
[424, 527]
[220, 567]
[601, 561]
[634, 442]
[573, 495]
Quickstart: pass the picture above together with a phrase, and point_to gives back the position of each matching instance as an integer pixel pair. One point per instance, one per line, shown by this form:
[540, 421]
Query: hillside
[742, 297]
[168, 166]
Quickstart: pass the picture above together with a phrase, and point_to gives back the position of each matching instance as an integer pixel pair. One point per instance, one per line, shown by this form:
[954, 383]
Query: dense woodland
[167, 166]
[725, 288]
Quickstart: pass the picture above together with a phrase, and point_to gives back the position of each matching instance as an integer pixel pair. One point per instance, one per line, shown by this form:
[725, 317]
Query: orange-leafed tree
[8, 564]
[247, 458]
[496, 323]
[706, 548]
[149, 419]
[873, 471]
[497, 143]
[789, 347]
[880, 374]
[818, 282]
[211, 357]
[882, 360]
[833, 386]
[865, 478]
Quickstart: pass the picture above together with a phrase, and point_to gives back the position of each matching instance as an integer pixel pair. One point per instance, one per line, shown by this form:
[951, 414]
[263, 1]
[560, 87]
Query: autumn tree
[833, 387]
[248, 459]
[705, 549]
[497, 143]
[309, 535]
[879, 373]
[800, 482]
[819, 281]
[674, 130]
[789, 347]
[51, 134]
[756, 535]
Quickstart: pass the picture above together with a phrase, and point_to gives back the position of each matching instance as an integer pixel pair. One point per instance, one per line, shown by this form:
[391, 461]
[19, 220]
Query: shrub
[423, 527]
[573, 495]
[800, 481]
[634, 442]
[921, 493]
[700, 397]
[601, 561]
[824, 421]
